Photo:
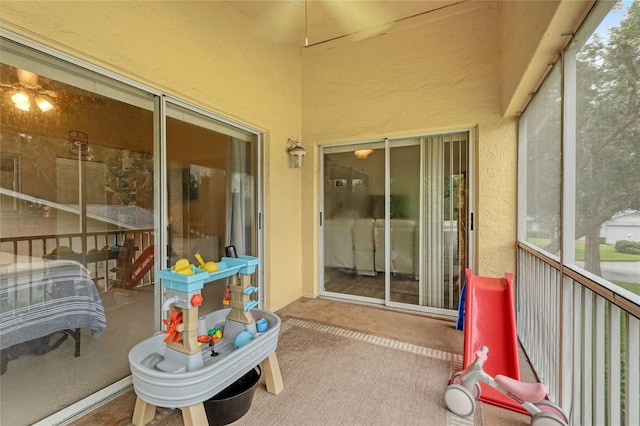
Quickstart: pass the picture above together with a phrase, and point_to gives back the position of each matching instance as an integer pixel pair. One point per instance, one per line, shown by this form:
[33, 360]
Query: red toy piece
[196, 300]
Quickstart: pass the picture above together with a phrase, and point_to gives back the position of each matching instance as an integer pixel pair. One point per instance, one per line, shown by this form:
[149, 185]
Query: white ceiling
[284, 21]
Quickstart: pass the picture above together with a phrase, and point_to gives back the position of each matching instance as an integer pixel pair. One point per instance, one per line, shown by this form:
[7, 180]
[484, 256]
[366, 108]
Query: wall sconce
[297, 153]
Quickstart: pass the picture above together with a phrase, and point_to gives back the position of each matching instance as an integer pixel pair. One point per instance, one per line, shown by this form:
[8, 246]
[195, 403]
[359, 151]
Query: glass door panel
[353, 203]
[211, 171]
[404, 223]
[78, 205]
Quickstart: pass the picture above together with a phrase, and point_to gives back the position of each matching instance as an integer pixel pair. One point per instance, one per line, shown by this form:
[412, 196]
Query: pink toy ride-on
[464, 389]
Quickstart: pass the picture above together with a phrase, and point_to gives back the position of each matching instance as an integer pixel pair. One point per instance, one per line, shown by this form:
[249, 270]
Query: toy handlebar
[481, 357]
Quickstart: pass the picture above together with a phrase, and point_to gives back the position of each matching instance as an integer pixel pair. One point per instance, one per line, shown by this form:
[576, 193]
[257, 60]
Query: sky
[612, 19]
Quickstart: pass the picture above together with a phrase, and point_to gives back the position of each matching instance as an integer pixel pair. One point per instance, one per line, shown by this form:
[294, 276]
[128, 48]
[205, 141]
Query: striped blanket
[39, 297]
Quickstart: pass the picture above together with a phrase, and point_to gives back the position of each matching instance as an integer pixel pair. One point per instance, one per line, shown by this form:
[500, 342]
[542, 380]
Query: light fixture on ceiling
[44, 103]
[27, 91]
[21, 101]
[362, 154]
[297, 153]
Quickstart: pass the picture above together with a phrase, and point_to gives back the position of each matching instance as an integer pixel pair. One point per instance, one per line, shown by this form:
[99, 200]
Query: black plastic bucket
[233, 402]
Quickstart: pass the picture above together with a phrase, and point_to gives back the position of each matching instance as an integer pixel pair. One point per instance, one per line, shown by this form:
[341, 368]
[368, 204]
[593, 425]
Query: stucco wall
[440, 75]
[201, 52]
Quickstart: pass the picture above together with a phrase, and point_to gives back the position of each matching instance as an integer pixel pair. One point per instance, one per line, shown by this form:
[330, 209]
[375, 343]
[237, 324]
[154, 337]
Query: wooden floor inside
[404, 287]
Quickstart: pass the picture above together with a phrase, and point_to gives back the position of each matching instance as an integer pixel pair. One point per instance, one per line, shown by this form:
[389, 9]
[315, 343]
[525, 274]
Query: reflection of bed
[40, 298]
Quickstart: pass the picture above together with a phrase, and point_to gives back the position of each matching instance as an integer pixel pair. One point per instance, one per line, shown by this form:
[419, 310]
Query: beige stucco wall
[201, 52]
[440, 75]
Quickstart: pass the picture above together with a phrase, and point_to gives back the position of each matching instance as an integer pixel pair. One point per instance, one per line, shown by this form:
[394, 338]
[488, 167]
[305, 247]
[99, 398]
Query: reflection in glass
[77, 200]
[353, 201]
[425, 222]
[404, 225]
[211, 171]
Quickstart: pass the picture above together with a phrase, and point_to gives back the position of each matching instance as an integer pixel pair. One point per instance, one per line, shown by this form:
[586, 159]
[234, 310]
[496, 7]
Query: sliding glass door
[394, 221]
[211, 186]
[78, 202]
[85, 223]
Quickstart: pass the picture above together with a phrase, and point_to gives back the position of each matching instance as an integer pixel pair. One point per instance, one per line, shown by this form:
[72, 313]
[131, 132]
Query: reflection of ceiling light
[21, 101]
[43, 103]
[362, 154]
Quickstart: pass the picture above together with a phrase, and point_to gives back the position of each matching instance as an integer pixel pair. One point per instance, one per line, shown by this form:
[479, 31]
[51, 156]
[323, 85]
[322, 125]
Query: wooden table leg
[272, 375]
[194, 415]
[143, 412]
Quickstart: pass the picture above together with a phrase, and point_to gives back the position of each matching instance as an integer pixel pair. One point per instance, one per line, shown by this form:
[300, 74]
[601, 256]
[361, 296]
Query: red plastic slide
[490, 321]
[141, 266]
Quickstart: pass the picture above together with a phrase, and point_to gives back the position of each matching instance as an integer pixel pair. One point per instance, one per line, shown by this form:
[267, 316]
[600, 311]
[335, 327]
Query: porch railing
[582, 339]
[107, 267]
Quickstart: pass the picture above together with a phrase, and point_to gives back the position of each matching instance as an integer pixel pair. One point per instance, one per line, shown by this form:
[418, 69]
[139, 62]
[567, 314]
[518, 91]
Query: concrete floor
[409, 327]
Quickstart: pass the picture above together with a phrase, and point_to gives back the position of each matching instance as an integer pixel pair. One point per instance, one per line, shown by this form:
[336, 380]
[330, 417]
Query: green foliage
[632, 287]
[399, 207]
[607, 128]
[542, 234]
[607, 125]
[608, 253]
[628, 247]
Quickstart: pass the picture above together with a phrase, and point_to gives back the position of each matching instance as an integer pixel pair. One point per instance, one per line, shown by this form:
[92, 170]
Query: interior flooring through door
[404, 290]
